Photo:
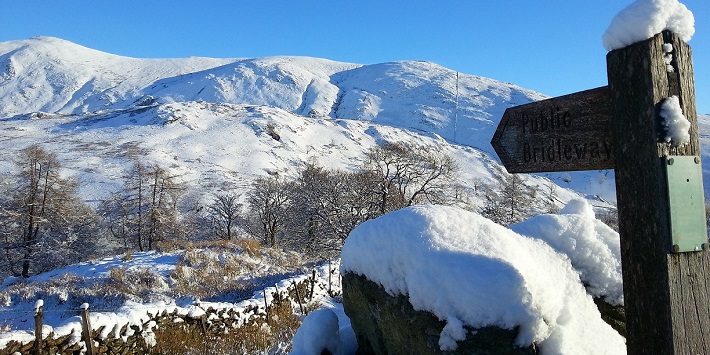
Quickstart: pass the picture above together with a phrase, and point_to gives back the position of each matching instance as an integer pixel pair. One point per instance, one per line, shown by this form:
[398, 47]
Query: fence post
[86, 329]
[266, 307]
[298, 297]
[39, 312]
[203, 323]
[313, 286]
[330, 273]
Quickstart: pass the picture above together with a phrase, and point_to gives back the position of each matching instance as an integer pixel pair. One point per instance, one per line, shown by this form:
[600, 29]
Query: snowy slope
[217, 147]
[52, 75]
[207, 120]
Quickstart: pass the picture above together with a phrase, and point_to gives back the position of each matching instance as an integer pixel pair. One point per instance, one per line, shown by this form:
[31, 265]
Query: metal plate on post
[687, 203]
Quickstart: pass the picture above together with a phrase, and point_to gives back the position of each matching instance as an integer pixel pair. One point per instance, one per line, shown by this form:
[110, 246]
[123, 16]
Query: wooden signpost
[664, 250]
[571, 132]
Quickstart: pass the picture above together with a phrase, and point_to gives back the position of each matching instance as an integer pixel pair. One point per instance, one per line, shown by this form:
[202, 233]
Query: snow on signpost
[644, 19]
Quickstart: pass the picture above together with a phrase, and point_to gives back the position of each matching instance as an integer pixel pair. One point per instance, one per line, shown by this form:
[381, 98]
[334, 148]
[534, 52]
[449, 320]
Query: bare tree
[268, 200]
[510, 202]
[494, 208]
[408, 175]
[551, 198]
[118, 219]
[42, 216]
[610, 217]
[145, 212]
[326, 205]
[163, 213]
[317, 211]
[224, 213]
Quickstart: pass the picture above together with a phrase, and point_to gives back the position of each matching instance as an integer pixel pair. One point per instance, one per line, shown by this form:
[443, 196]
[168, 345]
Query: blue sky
[551, 46]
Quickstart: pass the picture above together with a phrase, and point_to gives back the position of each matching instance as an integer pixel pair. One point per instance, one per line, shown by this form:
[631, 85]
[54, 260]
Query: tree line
[44, 224]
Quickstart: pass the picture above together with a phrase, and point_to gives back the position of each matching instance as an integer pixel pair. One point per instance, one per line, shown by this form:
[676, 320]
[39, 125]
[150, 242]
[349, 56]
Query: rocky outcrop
[386, 324]
[615, 316]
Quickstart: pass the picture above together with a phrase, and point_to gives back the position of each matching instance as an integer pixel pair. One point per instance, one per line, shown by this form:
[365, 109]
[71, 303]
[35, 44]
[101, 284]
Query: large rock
[386, 324]
[614, 315]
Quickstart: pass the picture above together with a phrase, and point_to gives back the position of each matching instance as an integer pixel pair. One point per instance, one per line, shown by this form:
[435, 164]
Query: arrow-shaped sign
[571, 132]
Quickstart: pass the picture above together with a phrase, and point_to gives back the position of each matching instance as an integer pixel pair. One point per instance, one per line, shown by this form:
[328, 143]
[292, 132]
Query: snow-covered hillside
[52, 75]
[220, 123]
[209, 120]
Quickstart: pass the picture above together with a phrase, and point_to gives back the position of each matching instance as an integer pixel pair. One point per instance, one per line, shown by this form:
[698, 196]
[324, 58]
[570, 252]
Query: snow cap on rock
[471, 272]
[580, 207]
[591, 246]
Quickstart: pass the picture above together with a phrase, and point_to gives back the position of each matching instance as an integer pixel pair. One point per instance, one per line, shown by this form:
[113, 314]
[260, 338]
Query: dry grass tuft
[127, 256]
[4, 327]
[214, 268]
[140, 282]
[204, 273]
[250, 246]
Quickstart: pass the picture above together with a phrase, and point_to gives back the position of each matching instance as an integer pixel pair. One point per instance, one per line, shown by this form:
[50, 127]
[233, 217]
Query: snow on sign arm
[470, 271]
[645, 18]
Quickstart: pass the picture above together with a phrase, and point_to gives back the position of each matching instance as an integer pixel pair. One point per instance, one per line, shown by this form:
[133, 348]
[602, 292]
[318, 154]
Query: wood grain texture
[566, 133]
[666, 294]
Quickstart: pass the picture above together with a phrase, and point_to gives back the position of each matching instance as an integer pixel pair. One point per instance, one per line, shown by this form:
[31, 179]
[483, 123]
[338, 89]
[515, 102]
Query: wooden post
[37, 348]
[203, 324]
[330, 275]
[313, 285]
[266, 307]
[86, 329]
[665, 293]
[298, 297]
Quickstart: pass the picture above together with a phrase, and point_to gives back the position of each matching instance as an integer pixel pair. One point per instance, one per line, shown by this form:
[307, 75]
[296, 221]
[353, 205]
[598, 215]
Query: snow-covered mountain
[209, 120]
[52, 75]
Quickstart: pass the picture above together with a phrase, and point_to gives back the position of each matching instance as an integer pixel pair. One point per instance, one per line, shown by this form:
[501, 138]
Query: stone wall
[138, 339]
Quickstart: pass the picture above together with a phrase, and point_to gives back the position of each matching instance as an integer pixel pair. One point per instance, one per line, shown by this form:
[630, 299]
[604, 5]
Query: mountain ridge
[71, 79]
